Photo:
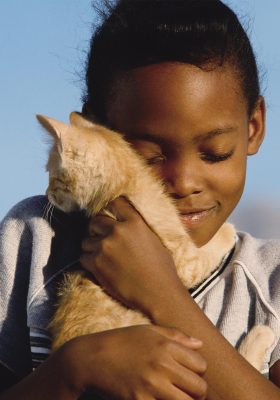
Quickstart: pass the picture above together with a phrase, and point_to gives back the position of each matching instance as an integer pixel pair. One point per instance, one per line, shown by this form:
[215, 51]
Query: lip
[193, 218]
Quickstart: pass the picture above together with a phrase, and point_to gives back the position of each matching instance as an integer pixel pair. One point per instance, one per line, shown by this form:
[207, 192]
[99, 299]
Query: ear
[77, 119]
[256, 127]
[55, 128]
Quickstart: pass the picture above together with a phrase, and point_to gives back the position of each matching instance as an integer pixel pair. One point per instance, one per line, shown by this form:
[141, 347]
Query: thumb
[123, 209]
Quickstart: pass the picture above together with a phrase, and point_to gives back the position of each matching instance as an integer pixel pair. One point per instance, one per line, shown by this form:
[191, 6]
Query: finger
[87, 261]
[189, 358]
[178, 336]
[107, 213]
[123, 209]
[170, 391]
[91, 245]
[189, 382]
[101, 226]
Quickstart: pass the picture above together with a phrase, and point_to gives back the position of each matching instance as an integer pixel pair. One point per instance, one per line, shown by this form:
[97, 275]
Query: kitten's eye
[156, 159]
[215, 158]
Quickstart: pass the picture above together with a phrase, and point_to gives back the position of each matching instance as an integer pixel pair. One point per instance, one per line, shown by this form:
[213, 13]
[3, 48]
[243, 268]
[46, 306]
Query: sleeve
[274, 297]
[275, 325]
[275, 356]
[15, 256]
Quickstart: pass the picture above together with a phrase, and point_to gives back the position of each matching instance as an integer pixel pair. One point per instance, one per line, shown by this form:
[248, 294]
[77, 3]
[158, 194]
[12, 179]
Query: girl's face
[192, 126]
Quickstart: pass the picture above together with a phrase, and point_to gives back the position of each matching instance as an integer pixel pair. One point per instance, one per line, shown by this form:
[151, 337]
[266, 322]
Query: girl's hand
[140, 362]
[128, 259]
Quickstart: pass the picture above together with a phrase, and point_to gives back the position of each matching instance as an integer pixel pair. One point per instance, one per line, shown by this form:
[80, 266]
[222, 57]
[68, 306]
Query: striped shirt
[40, 340]
[34, 251]
[40, 345]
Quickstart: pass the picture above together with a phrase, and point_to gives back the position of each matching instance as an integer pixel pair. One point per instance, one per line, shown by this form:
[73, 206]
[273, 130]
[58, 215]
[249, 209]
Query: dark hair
[134, 33]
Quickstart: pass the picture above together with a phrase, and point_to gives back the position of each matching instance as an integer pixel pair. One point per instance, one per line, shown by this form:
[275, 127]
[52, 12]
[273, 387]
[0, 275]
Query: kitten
[89, 166]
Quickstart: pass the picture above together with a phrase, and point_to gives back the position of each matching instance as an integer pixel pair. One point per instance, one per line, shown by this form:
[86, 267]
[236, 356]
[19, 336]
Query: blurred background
[43, 47]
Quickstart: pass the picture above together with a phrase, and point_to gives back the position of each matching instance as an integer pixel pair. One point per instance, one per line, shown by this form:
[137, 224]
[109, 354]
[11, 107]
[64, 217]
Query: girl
[179, 79]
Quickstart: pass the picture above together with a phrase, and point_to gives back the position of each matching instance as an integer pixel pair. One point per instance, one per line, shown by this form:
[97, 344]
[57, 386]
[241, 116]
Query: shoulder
[18, 229]
[36, 216]
[35, 226]
[37, 243]
[261, 256]
[17, 219]
[260, 261]
[17, 247]
[28, 208]
[36, 237]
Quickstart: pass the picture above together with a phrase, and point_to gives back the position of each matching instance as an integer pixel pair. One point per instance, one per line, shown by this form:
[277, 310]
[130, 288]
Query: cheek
[230, 183]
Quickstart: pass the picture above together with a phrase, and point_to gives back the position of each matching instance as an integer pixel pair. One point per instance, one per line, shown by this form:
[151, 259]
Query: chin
[64, 204]
[69, 206]
[201, 237]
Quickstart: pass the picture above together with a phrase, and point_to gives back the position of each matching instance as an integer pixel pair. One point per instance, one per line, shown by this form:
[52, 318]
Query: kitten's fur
[89, 166]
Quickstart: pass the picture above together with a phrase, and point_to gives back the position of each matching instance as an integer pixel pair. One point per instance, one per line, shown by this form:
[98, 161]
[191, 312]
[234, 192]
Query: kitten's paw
[255, 345]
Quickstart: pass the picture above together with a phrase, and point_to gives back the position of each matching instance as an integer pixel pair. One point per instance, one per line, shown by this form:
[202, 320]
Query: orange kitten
[89, 166]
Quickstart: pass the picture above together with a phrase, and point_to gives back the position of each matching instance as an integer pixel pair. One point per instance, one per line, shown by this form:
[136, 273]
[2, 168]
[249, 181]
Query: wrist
[72, 368]
[81, 363]
[48, 381]
[163, 310]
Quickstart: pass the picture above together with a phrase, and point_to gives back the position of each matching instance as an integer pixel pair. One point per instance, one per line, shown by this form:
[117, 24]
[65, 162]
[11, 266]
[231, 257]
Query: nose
[183, 178]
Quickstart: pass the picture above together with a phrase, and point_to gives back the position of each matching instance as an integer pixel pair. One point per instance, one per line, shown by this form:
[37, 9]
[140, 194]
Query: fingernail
[195, 340]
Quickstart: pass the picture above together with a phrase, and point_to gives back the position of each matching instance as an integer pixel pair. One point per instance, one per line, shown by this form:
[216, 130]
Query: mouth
[53, 199]
[62, 201]
[192, 219]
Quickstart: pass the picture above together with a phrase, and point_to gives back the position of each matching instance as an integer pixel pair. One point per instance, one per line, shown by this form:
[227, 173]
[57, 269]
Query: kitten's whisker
[45, 210]
[49, 206]
[51, 212]
[47, 213]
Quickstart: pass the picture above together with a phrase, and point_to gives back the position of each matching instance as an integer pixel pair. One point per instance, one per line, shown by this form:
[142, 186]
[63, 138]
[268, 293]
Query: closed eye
[156, 159]
[215, 158]
[58, 184]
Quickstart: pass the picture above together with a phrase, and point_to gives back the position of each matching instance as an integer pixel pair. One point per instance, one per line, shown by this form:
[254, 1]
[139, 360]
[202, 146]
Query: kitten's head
[78, 164]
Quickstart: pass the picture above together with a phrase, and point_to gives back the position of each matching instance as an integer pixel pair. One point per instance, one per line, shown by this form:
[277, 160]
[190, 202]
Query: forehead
[170, 97]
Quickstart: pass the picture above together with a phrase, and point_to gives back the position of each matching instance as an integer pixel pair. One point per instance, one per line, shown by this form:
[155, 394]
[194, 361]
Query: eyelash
[215, 158]
[155, 160]
[211, 158]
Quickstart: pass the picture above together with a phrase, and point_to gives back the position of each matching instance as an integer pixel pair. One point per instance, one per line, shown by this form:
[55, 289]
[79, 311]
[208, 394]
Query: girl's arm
[150, 283]
[228, 375]
[146, 362]
[47, 382]
[274, 373]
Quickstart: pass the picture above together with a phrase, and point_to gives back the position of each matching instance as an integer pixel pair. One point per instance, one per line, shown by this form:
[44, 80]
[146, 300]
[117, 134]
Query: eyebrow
[199, 138]
[149, 138]
[215, 132]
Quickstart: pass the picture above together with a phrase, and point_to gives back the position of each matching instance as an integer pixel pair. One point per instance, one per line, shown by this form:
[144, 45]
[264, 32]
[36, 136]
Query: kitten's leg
[255, 345]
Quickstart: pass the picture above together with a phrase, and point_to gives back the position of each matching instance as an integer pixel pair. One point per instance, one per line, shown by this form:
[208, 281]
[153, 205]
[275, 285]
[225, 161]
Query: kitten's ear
[77, 119]
[55, 128]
